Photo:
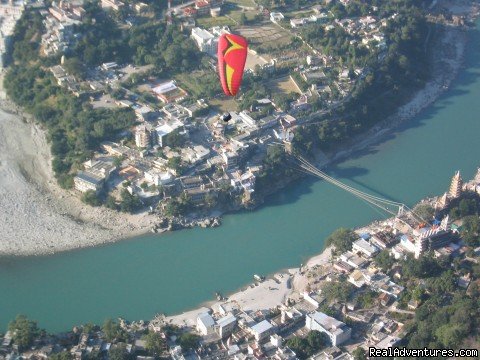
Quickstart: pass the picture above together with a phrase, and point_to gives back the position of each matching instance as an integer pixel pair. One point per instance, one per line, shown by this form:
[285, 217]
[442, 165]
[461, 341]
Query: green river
[140, 277]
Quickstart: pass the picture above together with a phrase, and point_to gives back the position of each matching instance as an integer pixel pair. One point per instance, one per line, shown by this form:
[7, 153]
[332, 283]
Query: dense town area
[130, 97]
[404, 281]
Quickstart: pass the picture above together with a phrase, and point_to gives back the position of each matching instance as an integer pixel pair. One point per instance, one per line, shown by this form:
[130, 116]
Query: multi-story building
[86, 181]
[94, 176]
[225, 325]
[336, 330]
[364, 247]
[205, 40]
[142, 137]
[262, 330]
[456, 186]
[205, 324]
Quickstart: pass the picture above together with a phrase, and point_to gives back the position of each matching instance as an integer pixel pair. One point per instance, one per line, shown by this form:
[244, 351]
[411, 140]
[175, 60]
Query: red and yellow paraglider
[232, 55]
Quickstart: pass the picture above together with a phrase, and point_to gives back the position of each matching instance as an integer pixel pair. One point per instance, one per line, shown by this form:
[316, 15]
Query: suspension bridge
[391, 207]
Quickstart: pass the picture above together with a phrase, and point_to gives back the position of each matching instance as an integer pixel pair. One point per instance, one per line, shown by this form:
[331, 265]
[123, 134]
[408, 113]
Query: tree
[425, 211]
[64, 355]
[359, 354]
[450, 336]
[117, 161]
[210, 200]
[90, 198]
[311, 344]
[337, 291]
[189, 341]
[88, 327]
[24, 331]
[342, 240]
[471, 230]
[317, 340]
[175, 163]
[130, 203]
[113, 331]
[119, 352]
[155, 344]
[75, 67]
[243, 19]
[384, 261]
[111, 203]
[175, 139]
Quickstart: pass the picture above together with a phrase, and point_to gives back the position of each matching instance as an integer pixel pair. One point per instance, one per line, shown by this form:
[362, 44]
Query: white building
[205, 324]
[205, 40]
[336, 330]
[167, 128]
[247, 119]
[158, 177]
[364, 247]
[275, 17]
[262, 330]
[226, 325]
[86, 181]
[142, 137]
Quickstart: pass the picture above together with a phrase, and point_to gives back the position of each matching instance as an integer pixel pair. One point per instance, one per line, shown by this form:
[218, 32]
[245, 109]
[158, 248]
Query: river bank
[44, 219]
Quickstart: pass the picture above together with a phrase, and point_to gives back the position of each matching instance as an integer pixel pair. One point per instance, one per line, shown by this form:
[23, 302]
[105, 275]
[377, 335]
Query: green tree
[75, 67]
[210, 200]
[450, 336]
[342, 239]
[337, 291]
[130, 203]
[384, 261]
[90, 198]
[311, 344]
[425, 211]
[113, 331]
[243, 19]
[24, 331]
[119, 352]
[175, 163]
[317, 340]
[359, 354]
[64, 355]
[111, 203]
[471, 230]
[88, 328]
[155, 344]
[189, 341]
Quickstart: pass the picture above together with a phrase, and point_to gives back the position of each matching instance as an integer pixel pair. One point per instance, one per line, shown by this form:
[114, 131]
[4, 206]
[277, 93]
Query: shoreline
[39, 201]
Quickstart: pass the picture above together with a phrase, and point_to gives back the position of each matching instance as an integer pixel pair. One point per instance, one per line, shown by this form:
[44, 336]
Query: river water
[139, 277]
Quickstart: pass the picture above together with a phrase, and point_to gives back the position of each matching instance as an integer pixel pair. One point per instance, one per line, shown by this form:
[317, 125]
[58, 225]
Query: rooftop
[262, 327]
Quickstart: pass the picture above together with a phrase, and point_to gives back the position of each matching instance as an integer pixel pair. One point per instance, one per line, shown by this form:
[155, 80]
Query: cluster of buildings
[10, 12]
[204, 7]
[60, 21]
[263, 334]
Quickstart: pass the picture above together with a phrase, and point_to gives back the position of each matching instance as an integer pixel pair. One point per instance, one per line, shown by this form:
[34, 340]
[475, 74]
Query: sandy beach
[41, 218]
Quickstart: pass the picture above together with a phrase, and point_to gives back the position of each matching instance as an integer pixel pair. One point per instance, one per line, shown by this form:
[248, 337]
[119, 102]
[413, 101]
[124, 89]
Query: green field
[248, 3]
[208, 22]
[201, 84]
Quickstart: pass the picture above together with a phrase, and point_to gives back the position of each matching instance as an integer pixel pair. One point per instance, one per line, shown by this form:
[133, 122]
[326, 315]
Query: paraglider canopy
[232, 55]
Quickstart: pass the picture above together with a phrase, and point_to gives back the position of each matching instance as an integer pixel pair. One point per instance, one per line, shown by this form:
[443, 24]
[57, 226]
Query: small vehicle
[226, 117]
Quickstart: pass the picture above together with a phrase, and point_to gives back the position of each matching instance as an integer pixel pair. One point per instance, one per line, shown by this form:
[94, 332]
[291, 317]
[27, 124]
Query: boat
[259, 277]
